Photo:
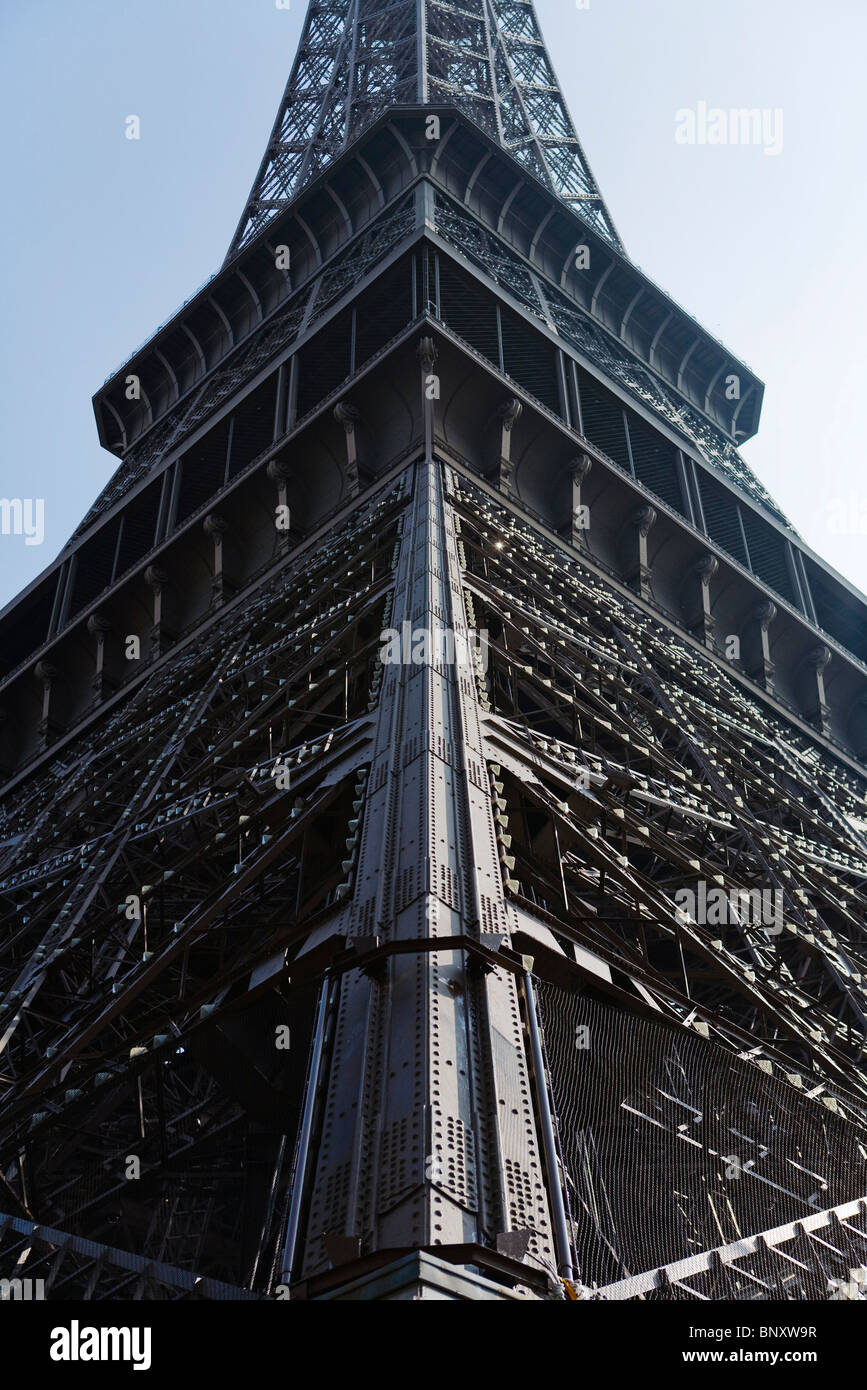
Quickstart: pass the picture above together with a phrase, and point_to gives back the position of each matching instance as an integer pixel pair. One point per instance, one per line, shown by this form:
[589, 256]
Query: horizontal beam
[737, 1250]
[184, 1280]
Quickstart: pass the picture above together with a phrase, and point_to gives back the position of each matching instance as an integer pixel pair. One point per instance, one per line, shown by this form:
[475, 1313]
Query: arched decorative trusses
[560, 245]
[331, 210]
[557, 244]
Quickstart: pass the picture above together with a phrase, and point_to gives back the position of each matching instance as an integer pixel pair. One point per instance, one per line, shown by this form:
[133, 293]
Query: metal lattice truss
[497, 259]
[652, 771]
[302, 311]
[73, 1268]
[159, 880]
[144, 881]
[357, 58]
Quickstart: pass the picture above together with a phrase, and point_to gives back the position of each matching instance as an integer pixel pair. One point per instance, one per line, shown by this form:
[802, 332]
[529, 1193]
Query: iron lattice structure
[359, 58]
[607, 777]
[369, 977]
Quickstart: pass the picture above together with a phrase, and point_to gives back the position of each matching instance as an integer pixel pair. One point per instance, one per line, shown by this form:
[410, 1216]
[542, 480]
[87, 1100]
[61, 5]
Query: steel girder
[357, 58]
[821, 1257]
[428, 1135]
[554, 801]
[396, 864]
[159, 882]
[149, 878]
[304, 308]
[551, 306]
[73, 1268]
[683, 774]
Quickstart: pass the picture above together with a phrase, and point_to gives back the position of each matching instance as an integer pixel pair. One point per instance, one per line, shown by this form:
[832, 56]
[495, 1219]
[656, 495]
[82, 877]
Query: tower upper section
[359, 57]
[401, 210]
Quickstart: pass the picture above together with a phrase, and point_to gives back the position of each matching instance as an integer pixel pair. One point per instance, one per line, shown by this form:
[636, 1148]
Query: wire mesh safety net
[672, 1145]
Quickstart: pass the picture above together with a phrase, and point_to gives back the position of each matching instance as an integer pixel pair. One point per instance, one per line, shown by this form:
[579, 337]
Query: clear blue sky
[103, 237]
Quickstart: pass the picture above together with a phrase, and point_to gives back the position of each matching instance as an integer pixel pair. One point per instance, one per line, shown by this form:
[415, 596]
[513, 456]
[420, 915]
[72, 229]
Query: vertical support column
[216, 527]
[99, 627]
[347, 416]
[818, 711]
[292, 395]
[428, 1135]
[509, 413]
[580, 517]
[757, 657]
[48, 726]
[279, 473]
[280, 402]
[507, 1127]
[638, 572]
[157, 580]
[430, 388]
[696, 600]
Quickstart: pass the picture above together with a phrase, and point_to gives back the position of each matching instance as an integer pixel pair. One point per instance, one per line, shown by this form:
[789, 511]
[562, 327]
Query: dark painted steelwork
[549, 1141]
[358, 58]
[303, 1154]
[264, 891]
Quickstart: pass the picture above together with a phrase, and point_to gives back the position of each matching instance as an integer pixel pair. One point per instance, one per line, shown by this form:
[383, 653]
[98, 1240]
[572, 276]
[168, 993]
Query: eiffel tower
[433, 847]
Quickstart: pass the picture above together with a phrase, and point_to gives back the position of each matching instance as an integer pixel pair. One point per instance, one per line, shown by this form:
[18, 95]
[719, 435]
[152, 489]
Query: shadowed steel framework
[401, 758]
